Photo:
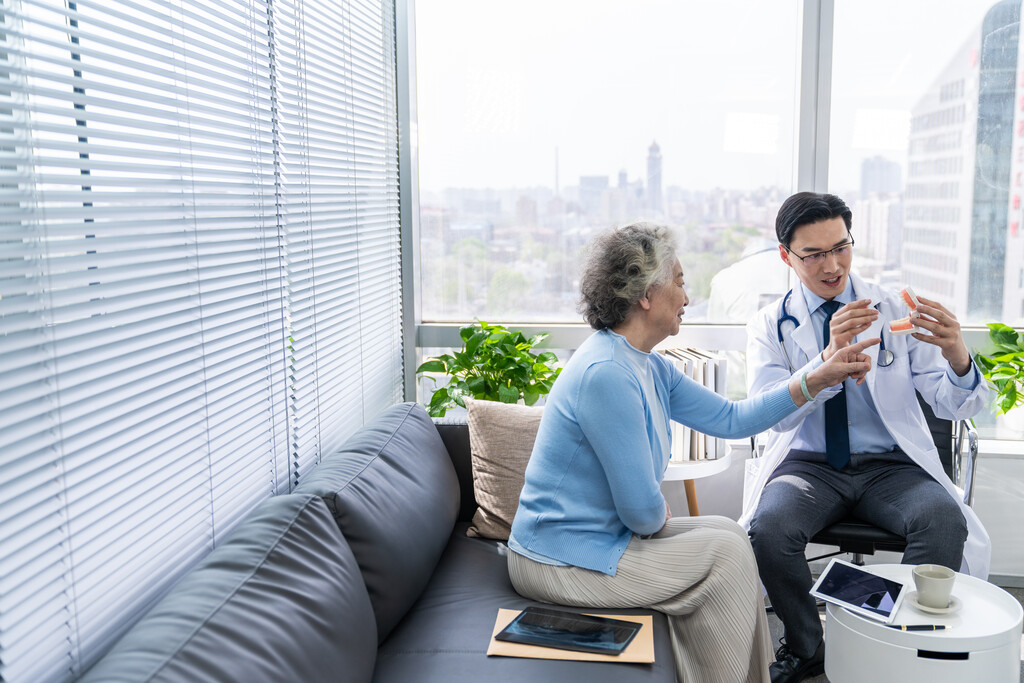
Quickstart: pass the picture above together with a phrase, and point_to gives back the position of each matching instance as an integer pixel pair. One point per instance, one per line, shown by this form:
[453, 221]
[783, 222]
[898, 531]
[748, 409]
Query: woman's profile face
[668, 301]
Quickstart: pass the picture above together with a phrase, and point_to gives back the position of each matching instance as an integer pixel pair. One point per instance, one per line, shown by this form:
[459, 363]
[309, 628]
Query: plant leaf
[473, 343]
[508, 394]
[538, 338]
[1003, 336]
[433, 365]
[1007, 402]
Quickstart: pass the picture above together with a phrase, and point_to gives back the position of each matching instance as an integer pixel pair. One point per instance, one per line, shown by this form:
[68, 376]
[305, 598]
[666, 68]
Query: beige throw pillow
[501, 437]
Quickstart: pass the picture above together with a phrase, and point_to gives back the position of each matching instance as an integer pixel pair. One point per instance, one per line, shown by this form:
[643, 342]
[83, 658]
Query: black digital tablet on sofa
[569, 631]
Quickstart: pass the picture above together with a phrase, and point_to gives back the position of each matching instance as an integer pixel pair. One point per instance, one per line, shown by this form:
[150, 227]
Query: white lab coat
[916, 365]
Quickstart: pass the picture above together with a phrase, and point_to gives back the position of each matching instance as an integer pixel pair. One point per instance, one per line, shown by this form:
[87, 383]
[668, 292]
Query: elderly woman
[592, 528]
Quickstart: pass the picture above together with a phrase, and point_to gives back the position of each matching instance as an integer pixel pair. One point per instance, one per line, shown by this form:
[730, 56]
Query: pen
[919, 627]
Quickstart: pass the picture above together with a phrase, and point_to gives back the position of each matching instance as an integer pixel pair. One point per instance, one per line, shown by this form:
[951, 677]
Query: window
[926, 139]
[541, 123]
[913, 114]
[924, 132]
[199, 288]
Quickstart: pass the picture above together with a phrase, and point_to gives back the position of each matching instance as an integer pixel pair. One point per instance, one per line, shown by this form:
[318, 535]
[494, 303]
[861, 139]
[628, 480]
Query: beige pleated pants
[700, 571]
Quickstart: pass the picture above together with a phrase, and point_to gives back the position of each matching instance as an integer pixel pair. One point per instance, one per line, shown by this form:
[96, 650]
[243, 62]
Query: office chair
[859, 538]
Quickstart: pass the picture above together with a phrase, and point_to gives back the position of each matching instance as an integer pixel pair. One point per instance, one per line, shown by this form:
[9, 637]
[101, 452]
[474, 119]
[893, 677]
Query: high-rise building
[1013, 265]
[996, 112]
[964, 151]
[879, 175]
[880, 210]
[592, 191]
[654, 204]
[879, 227]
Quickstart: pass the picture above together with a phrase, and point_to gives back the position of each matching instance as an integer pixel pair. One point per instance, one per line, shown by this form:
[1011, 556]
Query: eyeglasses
[817, 258]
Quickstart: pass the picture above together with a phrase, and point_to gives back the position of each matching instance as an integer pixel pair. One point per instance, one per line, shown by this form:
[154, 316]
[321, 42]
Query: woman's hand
[846, 363]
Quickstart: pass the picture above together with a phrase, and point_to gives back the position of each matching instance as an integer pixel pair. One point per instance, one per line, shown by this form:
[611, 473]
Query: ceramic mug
[934, 585]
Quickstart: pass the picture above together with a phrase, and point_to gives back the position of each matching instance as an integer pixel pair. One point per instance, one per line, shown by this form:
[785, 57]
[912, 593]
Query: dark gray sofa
[363, 573]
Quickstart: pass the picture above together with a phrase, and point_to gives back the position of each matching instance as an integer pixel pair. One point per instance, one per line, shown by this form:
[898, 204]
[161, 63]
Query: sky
[503, 89]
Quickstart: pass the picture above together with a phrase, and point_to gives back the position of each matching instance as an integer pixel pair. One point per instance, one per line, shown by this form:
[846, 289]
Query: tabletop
[987, 616]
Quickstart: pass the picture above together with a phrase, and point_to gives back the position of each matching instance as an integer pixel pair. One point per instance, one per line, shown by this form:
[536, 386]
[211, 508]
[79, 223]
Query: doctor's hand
[847, 323]
[945, 333]
[847, 363]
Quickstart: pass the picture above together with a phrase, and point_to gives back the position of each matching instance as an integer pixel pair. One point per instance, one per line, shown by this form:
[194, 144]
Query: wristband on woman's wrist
[803, 388]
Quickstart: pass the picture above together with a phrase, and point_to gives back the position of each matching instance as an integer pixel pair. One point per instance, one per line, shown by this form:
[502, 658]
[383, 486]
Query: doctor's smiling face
[814, 240]
[821, 254]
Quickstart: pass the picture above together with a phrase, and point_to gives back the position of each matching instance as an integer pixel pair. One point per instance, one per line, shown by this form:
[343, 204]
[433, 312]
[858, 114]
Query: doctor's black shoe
[791, 668]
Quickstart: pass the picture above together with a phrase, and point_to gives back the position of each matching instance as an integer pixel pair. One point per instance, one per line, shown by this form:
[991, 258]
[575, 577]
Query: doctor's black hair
[805, 208]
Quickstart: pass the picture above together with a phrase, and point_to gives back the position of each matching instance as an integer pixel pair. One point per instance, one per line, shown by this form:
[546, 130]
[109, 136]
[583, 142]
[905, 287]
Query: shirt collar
[814, 301]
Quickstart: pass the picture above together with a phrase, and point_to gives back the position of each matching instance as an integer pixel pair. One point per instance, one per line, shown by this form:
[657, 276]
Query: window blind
[338, 119]
[198, 288]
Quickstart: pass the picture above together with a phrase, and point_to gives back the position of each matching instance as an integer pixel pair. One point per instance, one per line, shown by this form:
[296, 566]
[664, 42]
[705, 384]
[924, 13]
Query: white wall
[999, 502]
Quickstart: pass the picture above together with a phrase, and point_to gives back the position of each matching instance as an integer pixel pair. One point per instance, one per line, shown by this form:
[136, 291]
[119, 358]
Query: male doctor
[861, 447]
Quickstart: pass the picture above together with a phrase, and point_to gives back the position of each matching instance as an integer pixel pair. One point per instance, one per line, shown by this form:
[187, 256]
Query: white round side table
[981, 641]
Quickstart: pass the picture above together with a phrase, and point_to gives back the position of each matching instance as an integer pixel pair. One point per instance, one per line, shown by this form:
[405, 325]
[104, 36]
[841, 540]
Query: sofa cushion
[280, 599]
[444, 637]
[394, 494]
[501, 437]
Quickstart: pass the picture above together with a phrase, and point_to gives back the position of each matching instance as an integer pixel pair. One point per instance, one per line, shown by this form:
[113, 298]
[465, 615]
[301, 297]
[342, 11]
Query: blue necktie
[837, 430]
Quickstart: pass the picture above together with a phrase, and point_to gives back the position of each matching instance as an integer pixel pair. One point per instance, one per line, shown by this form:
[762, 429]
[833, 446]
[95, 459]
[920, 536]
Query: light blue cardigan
[593, 479]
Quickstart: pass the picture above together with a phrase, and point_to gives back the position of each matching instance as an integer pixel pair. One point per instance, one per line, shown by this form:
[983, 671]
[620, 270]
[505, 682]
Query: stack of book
[707, 368]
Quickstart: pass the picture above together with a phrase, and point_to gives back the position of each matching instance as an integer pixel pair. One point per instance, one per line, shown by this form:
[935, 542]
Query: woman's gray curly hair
[620, 267]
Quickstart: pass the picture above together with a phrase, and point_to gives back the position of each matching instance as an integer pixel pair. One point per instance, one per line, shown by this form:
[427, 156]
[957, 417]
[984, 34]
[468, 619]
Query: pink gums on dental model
[910, 298]
[905, 325]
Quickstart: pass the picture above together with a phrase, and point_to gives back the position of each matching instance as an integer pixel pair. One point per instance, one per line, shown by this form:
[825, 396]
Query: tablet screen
[569, 631]
[859, 590]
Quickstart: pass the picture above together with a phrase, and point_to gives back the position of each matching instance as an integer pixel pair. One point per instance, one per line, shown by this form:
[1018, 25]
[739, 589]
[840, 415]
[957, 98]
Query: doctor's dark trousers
[805, 495]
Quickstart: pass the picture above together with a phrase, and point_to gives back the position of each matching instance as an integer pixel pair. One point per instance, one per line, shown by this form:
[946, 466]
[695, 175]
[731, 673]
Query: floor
[776, 628]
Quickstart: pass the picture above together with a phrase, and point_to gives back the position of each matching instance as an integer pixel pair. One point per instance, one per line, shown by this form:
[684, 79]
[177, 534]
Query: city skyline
[946, 127]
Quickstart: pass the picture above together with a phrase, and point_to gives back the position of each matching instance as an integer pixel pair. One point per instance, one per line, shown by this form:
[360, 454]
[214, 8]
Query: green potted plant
[1004, 366]
[495, 364]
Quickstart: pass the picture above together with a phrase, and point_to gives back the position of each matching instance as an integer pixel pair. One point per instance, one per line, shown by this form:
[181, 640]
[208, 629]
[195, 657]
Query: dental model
[902, 326]
[906, 325]
[910, 298]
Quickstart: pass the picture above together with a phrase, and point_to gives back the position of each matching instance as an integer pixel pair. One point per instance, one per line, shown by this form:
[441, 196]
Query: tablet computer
[569, 631]
[859, 590]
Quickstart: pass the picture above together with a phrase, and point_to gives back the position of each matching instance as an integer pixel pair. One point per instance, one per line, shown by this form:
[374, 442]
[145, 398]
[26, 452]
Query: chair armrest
[963, 472]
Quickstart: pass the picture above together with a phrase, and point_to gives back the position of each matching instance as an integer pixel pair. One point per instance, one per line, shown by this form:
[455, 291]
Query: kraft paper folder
[640, 649]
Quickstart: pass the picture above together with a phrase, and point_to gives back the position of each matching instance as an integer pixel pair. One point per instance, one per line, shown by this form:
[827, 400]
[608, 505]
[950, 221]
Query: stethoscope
[885, 356]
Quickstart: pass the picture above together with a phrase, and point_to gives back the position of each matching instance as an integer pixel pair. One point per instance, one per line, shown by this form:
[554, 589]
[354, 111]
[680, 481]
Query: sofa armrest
[280, 599]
